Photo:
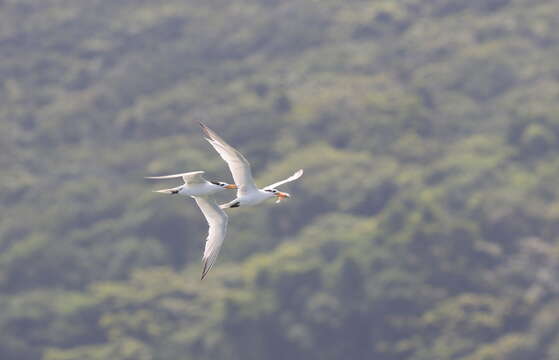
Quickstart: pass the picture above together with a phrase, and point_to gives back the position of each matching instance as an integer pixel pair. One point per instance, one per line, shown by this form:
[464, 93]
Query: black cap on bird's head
[280, 195]
[224, 185]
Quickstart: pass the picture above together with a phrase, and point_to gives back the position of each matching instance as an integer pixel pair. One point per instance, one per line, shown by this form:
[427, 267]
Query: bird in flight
[247, 191]
[201, 190]
[194, 184]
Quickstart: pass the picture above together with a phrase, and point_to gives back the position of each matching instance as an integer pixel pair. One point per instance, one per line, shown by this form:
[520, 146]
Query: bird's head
[224, 185]
[280, 195]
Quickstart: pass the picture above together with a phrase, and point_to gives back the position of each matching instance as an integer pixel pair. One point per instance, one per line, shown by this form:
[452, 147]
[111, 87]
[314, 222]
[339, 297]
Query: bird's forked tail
[231, 204]
[168, 191]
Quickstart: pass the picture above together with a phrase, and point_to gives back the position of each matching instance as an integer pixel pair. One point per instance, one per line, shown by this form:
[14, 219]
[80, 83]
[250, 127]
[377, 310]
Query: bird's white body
[255, 197]
[194, 185]
[203, 189]
[250, 198]
[247, 191]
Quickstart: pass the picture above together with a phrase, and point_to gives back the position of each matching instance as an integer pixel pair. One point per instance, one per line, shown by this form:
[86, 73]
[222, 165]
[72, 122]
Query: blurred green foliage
[425, 226]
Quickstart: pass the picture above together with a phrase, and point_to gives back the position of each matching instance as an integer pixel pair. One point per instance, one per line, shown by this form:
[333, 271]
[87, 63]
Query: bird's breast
[254, 198]
[199, 189]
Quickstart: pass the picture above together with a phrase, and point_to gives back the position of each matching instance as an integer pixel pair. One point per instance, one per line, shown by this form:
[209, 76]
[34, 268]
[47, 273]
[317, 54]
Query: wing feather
[193, 177]
[217, 220]
[238, 164]
[293, 177]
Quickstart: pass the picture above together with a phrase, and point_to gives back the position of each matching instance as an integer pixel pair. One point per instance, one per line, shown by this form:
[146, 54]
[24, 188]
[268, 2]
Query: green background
[425, 226]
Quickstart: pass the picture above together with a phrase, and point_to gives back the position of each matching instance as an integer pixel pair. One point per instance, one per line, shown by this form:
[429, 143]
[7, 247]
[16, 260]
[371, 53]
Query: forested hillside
[425, 226]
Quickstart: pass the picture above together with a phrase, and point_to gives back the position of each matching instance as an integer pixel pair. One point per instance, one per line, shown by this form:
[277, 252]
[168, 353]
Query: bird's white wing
[193, 177]
[217, 221]
[293, 177]
[238, 164]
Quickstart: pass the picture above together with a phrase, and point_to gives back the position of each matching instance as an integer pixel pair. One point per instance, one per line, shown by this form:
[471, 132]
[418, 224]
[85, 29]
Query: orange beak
[231, 186]
[283, 195]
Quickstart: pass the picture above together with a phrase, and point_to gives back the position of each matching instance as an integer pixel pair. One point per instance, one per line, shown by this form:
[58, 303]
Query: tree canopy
[423, 228]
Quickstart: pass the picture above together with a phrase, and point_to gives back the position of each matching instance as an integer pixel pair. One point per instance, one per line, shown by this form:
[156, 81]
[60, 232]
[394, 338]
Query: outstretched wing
[238, 164]
[193, 177]
[217, 220]
[293, 177]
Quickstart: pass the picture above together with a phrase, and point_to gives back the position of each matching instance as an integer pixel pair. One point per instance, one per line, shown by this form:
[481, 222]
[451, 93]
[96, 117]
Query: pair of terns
[201, 190]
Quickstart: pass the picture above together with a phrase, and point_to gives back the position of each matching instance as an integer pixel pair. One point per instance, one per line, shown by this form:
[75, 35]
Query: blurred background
[425, 226]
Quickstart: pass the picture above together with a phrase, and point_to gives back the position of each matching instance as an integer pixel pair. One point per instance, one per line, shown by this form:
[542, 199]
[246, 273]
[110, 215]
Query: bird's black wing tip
[205, 130]
[204, 271]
